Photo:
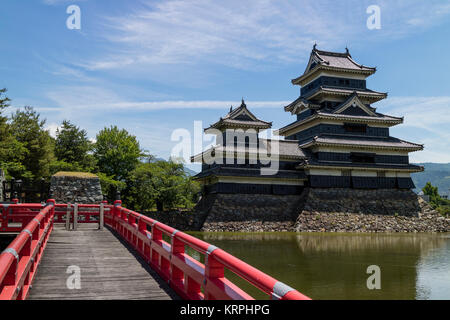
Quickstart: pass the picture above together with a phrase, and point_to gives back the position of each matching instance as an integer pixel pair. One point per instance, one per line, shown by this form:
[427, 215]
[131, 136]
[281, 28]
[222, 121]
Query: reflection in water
[433, 280]
[333, 266]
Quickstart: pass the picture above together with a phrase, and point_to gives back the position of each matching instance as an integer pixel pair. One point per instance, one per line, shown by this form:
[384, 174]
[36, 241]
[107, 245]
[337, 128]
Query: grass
[82, 175]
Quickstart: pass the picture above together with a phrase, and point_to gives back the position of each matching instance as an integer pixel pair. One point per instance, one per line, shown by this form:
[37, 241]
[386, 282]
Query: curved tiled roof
[232, 120]
[362, 141]
[380, 118]
[288, 149]
[338, 60]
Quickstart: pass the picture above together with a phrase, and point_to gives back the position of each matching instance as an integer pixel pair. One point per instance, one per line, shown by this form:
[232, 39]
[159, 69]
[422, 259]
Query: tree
[436, 201]
[163, 184]
[28, 129]
[117, 152]
[12, 152]
[73, 147]
[431, 191]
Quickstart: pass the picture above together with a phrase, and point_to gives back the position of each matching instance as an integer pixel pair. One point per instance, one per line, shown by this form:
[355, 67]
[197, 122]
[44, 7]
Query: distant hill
[190, 172]
[436, 173]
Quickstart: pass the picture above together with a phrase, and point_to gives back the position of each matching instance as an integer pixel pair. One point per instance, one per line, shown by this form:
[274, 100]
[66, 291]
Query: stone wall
[350, 210]
[69, 187]
[252, 213]
[315, 210]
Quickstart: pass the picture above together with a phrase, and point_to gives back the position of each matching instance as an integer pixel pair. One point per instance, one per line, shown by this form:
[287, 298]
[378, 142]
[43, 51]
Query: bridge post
[116, 213]
[102, 216]
[68, 216]
[213, 270]
[75, 217]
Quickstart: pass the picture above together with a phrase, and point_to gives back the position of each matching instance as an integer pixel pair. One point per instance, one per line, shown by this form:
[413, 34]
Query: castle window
[352, 127]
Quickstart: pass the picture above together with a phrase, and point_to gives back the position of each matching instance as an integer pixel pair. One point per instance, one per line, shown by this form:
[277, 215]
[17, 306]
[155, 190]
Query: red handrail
[186, 275]
[19, 261]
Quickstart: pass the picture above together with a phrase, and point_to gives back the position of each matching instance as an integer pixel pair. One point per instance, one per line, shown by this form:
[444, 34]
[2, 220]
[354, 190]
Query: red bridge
[121, 254]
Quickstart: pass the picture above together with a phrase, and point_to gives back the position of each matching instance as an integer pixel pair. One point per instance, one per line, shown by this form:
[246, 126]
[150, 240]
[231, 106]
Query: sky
[155, 67]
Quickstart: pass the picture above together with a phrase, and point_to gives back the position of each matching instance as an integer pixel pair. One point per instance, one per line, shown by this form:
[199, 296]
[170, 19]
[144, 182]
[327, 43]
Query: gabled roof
[299, 105]
[240, 118]
[354, 102]
[332, 61]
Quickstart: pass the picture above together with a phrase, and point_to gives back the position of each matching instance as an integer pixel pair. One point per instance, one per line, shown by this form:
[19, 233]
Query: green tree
[436, 201]
[163, 184]
[117, 152]
[431, 191]
[28, 129]
[12, 151]
[72, 147]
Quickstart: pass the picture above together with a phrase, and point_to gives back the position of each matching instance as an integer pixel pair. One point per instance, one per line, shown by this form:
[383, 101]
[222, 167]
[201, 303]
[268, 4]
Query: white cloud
[52, 128]
[426, 121]
[249, 34]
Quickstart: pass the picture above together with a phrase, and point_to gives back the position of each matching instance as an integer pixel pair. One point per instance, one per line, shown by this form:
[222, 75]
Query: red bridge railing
[18, 263]
[188, 277]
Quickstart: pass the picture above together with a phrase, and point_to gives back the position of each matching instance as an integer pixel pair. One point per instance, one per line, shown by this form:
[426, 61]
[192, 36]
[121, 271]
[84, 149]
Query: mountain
[190, 172]
[436, 173]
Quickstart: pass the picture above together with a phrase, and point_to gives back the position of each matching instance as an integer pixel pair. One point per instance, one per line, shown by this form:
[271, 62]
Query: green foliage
[28, 129]
[72, 146]
[163, 184]
[436, 173]
[109, 185]
[27, 151]
[117, 152]
[437, 202]
[12, 152]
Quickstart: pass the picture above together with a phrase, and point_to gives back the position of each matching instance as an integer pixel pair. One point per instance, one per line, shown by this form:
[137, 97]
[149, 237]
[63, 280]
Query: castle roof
[320, 115]
[372, 95]
[240, 118]
[287, 149]
[334, 61]
[358, 142]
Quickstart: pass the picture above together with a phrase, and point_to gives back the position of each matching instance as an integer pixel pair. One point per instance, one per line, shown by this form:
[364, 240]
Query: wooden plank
[109, 269]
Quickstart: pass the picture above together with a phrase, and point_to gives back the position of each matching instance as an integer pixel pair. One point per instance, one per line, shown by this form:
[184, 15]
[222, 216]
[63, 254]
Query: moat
[333, 266]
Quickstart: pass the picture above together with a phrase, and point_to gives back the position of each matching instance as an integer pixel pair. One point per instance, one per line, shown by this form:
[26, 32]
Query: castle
[338, 139]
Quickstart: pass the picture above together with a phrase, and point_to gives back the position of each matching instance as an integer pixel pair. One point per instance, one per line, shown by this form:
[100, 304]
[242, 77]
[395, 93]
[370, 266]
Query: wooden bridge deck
[110, 269]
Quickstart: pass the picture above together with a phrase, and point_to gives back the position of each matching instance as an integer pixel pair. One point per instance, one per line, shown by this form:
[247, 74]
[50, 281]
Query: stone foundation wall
[315, 210]
[349, 210]
[323, 210]
[252, 213]
[76, 188]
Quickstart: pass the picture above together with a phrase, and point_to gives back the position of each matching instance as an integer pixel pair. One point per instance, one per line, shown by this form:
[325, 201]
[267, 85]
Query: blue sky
[155, 66]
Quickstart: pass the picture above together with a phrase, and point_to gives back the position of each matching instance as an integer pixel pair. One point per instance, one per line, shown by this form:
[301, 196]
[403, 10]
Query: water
[334, 266]
[5, 241]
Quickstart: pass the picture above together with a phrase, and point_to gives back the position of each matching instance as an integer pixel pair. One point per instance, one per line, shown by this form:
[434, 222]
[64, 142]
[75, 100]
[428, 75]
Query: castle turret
[347, 141]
